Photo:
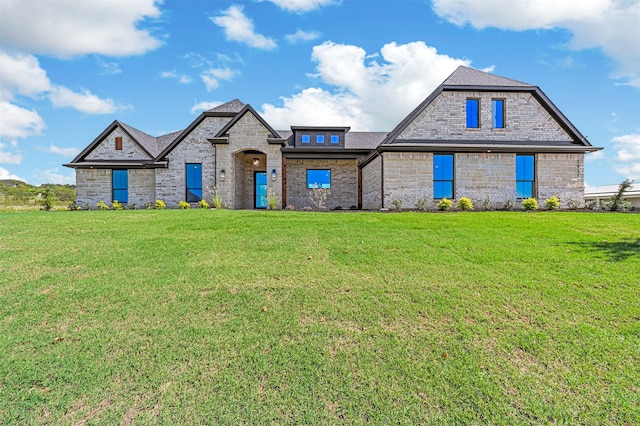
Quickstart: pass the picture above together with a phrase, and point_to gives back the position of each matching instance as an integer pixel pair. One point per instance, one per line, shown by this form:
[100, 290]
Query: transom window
[525, 176]
[443, 176]
[473, 113]
[318, 178]
[305, 139]
[194, 182]
[120, 185]
[497, 113]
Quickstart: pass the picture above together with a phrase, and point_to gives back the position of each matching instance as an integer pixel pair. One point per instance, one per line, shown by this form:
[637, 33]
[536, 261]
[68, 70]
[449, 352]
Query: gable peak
[465, 76]
[232, 106]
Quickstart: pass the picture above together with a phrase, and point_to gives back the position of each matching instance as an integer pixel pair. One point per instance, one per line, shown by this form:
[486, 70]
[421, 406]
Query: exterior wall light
[256, 162]
[273, 174]
[222, 175]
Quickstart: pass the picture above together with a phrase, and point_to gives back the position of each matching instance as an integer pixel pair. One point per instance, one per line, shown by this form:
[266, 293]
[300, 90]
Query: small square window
[305, 139]
[335, 139]
[118, 143]
[319, 138]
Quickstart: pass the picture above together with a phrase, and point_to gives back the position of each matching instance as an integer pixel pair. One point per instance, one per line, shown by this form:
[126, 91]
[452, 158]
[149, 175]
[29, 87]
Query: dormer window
[118, 143]
[335, 139]
[305, 139]
[319, 138]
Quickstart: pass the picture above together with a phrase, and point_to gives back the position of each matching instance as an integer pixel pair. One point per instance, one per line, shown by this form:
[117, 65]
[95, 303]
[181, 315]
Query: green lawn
[191, 317]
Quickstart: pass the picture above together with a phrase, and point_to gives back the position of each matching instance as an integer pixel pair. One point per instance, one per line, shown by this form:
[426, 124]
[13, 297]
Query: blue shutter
[473, 113]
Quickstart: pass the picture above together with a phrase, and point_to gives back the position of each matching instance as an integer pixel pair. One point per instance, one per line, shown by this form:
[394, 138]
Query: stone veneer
[479, 175]
[525, 119]
[94, 185]
[372, 185]
[344, 182]
[408, 177]
[561, 175]
[106, 150]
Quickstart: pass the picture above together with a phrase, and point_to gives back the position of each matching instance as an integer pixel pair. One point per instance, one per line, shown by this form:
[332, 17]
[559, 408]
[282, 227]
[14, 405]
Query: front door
[260, 180]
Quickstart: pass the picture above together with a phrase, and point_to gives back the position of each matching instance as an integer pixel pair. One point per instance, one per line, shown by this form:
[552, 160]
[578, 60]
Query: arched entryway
[251, 180]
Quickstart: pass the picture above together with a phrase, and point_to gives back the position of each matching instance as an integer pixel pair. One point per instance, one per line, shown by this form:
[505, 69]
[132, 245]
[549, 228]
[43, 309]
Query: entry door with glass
[260, 190]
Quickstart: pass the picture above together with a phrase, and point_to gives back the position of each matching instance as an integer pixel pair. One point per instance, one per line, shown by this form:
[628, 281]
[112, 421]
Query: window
[442, 176]
[194, 182]
[319, 138]
[118, 143]
[318, 178]
[120, 186]
[525, 175]
[335, 139]
[305, 139]
[473, 113]
[497, 113]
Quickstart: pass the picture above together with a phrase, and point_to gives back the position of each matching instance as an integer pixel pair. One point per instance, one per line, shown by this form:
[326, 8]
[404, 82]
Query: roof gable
[247, 108]
[465, 76]
[233, 106]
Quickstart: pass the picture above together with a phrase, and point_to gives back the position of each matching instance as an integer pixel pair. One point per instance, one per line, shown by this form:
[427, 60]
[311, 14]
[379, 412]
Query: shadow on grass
[617, 251]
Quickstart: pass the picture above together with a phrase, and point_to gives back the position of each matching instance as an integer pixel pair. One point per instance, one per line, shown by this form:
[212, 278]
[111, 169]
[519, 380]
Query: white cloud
[52, 176]
[182, 78]
[300, 6]
[611, 25]
[85, 101]
[593, 156]
[21, 74]
[67, 28]
[212, 77]
[204, 106]
[6, 174]
[628, 155]
[109, 68]
[67, 152]
[9, 158]
[302, 36]
[17, 122]
[238, 27]
[371, 92]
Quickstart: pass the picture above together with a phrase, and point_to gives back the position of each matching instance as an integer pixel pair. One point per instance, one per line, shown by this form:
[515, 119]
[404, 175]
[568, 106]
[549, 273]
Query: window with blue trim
[473, 113]
[525, 176]
[335, 139]
[442, 176]
[318, 178]
[305, 139]
[120, 185]
[194, 182]
[319, 138]
[497, 113]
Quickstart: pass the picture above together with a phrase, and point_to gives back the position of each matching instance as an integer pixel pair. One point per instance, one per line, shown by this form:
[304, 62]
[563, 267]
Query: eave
[128, 164]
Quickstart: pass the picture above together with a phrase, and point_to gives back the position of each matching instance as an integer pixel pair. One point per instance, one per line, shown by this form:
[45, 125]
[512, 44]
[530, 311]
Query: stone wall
[344, 182]
[408, 177]
[93, 185]
[525, 119]
[561, 175]
[372, 185]
[106, 150]
[479, 175]
[142, 187]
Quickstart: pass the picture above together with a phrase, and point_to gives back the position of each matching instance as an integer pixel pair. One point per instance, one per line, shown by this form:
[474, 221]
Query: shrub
[397, 203]
[290, 207]
[530, 204]
[46, 198]
[203, 204]
[508, 205]
[272, 201]
[132, 206]
[618, 202]
[148, 206]
[160, 205]
[101, 205]
[573, 204]
[445, 204]
[486, 204]
[217, 202]
[552, 203]
[465, 203]
[422, 204]
[184, 205]
[117, 205]
[72, 206]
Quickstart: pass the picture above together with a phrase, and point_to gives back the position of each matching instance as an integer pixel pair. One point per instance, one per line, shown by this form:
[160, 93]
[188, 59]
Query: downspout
[382, 180]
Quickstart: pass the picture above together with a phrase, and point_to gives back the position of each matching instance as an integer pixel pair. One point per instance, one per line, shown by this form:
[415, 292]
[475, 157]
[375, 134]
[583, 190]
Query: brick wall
[372, 185]
[408, 177]
[561, 175]
[525, 119]
[480, 175]
[92, 185]
[344, 182]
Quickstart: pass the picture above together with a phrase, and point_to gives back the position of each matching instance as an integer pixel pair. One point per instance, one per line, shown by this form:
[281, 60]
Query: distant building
[477, 135]
[605, 192]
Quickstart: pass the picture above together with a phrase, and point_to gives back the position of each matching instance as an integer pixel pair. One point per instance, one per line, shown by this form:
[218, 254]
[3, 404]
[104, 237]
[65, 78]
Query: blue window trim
[193, 182]
[314, 174]
[443, 176]
[497, 113]
[473, 113]
[525, 176]
[120, 185]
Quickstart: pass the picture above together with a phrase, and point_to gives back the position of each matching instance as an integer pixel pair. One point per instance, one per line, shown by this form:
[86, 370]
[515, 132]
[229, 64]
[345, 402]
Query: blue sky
[69, 68]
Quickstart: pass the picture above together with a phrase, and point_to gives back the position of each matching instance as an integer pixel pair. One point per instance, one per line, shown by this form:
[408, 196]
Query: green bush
[397, 203]
[445, 204]
[465, 203]
[184, 205]
[101, 205]
[203, 204]
[552, 203]
[117, 205]
[486, 204]
[160, 205]
[47, 198]
[530, 204]
[217, 202]
[422, 204]
[508, 205]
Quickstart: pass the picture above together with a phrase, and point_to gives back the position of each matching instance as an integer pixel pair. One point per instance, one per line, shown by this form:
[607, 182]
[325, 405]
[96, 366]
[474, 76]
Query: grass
[191, 317]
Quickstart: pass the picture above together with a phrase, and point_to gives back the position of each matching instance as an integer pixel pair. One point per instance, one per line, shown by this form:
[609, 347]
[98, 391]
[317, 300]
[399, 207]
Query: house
[606, 192]
[477, 135]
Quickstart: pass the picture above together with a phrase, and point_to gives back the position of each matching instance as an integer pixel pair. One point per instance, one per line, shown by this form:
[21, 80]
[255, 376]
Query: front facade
[477, 135]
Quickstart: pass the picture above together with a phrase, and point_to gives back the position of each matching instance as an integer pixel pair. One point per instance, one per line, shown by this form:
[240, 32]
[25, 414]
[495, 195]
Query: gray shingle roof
[465, 76]
[363, 140]
[232, 106]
